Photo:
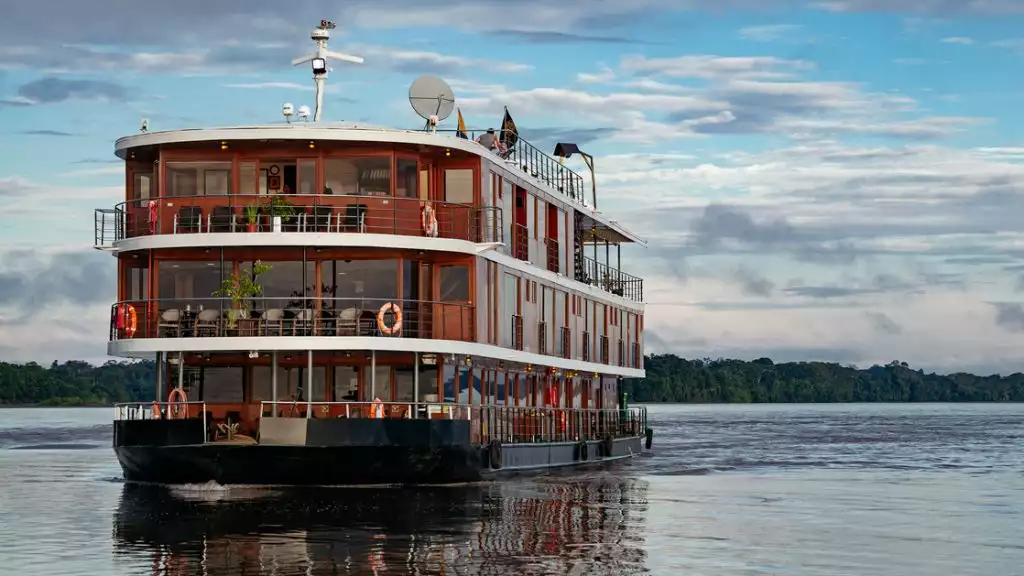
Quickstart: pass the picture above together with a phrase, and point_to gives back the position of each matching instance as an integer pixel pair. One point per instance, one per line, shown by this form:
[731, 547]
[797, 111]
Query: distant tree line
[669, 379]
[76, 383]
[674, 379]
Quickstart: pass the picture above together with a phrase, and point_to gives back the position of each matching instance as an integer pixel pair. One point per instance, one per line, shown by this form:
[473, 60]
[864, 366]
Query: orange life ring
[132, 323]
[156, 410]
[396, 327]
[428, 218]
[179, 408]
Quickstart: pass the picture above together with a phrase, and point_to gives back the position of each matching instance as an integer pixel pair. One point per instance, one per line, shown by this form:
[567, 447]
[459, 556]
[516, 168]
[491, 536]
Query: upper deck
[351, 185]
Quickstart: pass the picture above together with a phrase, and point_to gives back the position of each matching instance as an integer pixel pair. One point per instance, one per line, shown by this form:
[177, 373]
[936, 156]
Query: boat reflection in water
[550, 525]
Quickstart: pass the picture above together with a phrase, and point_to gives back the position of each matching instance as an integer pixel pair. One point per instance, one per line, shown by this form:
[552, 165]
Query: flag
[461, 131]
[509, 132]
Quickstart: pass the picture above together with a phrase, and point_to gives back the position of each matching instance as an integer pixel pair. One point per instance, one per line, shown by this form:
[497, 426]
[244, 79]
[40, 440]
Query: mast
[321, 34]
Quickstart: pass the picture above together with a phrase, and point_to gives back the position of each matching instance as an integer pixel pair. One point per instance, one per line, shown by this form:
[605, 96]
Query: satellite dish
[431, 98]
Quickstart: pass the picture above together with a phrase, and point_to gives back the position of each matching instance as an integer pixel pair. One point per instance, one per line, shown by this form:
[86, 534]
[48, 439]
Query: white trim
[354, 133]
[384, 241]
[146, 347]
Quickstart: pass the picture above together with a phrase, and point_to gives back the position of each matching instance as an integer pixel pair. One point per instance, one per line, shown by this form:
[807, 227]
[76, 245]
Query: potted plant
[252, 214]
[280, 210]
[241, 287]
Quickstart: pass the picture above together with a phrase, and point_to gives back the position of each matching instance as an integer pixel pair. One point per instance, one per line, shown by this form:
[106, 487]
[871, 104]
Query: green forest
[669, 379]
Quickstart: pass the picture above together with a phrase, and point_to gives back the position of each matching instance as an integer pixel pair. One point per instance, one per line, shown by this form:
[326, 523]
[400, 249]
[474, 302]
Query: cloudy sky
[817, 179]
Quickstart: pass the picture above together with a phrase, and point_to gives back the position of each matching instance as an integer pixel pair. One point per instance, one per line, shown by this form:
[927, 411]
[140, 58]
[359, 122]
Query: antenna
[287, 110]
[431, 98]
[321, 34]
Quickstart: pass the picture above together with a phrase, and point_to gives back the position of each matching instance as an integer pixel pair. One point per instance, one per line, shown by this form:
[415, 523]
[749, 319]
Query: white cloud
[708, 66]
[959, 40]
[769, 32]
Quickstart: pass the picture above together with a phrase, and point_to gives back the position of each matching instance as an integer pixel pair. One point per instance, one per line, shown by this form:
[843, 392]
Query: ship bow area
[300, 451]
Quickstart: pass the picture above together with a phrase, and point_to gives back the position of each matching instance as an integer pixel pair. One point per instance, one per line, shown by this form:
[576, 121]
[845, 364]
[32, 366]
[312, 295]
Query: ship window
[455, 283]
[407, 178]
[306, 177]
[283, 285]
[369, 176]
[380, 386]
[198, 178]
[138, 283]
[221, 384]
[189, 284]
[428, 382]
[141, 188]
[448, 383]
[458, 185]
[365, 284]
[346, 383]
[404, 381]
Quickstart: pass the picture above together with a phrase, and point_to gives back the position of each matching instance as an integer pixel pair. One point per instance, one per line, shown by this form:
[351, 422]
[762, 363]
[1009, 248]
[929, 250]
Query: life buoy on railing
[428, 218]
[179, 408]
[377, 409]
[126, 319]
[396, 326]
[156, 410]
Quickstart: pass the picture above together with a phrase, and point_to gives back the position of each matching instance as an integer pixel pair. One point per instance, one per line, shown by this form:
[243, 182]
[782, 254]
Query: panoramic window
[198, 178]
[188, 283]
[455, 283]
[407, 178]
[358, 176]
[360, 283]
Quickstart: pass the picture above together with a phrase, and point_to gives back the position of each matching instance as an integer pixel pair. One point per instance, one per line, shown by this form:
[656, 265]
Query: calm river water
[786, 489]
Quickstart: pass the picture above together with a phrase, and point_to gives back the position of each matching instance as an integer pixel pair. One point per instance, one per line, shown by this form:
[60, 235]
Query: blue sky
[833, 180]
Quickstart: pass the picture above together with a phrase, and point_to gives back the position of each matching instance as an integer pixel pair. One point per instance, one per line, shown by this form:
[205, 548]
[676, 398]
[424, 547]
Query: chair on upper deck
[348, 322]
[354, 219]
[319, 219]
[170, 323]
[207, 323]
[222, 219]
[188, 219]
[273, 322]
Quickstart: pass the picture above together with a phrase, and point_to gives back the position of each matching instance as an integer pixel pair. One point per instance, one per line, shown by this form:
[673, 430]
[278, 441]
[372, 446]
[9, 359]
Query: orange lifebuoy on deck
[126, 319]
[156, 410]
[176, 409]
[396, 326]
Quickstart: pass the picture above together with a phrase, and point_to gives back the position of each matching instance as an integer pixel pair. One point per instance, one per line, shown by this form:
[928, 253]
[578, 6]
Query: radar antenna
[321, 34]
[432, 98]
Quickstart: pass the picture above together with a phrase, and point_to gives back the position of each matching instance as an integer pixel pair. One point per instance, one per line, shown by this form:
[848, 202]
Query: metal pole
[273, 382]
[415, 382]
[159, 376]
[181, 370]
[373, 375]
[309, 384]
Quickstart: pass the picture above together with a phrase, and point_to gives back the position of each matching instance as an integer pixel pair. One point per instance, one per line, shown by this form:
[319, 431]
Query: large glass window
[306, 177]
[198, 178]
[406, 178]
[360, 283]
[428, 383]
[263, 384]
[189, 284]
[142, 186]
[285, 285]
[455, 283]
[138, 283]
[346, 383]
[449, 373]
[458, 185]
[404, 381]
[380, 386]
[358, 176]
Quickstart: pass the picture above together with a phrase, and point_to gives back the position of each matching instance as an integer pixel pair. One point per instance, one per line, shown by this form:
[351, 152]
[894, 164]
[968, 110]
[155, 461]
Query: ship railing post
[204, 422]
[415, 383]
[273, 383]
[309, 384]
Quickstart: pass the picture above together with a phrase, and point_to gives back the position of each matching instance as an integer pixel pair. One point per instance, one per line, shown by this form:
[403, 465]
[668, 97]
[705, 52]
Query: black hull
[330, 452]
[351, 465]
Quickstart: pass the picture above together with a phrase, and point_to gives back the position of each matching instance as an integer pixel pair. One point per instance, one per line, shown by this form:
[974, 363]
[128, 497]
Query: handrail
[610, 279]
[321, 409]
[292, 316]
[311, 213]
[537, 164]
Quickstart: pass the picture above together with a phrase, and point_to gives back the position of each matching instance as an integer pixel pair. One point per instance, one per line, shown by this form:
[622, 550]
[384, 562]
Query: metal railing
[158, 410]
[294, 316]
[520, 242]
[590, 271]
[320, 213]
[539, 165]
[553, 255]
[108, 226]
[411, 410]
[549, 424]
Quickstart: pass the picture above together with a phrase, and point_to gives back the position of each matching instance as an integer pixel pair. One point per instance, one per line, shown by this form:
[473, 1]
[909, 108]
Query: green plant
[252, 213]
[278, 206]
[241, 287]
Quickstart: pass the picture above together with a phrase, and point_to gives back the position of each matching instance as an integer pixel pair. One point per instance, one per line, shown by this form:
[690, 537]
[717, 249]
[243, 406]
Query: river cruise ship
[339, 303]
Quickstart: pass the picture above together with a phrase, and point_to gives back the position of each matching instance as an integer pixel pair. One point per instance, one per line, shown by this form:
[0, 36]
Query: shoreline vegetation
[670, 379]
